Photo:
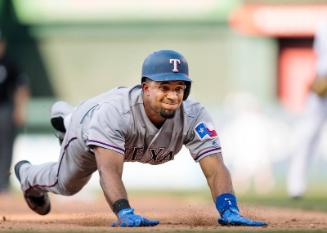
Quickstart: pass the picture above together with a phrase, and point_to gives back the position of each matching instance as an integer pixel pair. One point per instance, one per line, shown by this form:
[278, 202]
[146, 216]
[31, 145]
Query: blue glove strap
[226, 201]
[125, 211]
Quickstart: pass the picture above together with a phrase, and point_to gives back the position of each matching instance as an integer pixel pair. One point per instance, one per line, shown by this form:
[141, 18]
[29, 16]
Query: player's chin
[165, 113]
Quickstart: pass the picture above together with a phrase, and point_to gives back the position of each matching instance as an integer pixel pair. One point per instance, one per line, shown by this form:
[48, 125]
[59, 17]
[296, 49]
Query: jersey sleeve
[107, 129]
[202, 138]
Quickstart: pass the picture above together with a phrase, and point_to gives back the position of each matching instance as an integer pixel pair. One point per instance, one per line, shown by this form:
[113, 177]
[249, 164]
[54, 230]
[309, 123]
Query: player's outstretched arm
[110, 167]
[221, 187]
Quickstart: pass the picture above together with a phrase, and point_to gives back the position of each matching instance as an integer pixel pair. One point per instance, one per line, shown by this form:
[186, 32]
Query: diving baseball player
[148, 123]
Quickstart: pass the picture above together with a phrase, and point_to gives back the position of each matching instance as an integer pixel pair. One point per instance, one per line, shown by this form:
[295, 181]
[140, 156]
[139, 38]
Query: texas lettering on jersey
[152, 155]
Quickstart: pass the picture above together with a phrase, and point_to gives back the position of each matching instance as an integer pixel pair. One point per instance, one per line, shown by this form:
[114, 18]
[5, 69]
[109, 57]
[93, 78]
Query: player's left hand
[127, 218]
[232, 217]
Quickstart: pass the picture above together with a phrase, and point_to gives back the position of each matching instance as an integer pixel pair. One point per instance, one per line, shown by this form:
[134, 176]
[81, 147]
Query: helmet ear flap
[187, 90]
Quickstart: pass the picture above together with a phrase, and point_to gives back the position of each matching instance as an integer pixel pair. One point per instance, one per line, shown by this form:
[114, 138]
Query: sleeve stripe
[218, 149]
[90, 142]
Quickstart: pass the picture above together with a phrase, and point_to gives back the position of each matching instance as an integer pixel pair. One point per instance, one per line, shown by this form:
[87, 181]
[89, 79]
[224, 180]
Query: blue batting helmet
[167, 65]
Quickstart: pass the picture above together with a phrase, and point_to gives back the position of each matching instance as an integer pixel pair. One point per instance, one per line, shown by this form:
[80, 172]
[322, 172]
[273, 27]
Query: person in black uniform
[14, 94]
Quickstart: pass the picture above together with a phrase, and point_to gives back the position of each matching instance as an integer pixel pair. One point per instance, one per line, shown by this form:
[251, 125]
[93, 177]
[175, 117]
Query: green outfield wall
[75, 56]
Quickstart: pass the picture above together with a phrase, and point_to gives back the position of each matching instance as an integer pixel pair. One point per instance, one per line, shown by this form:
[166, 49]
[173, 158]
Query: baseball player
[148, 123]
[314, 117]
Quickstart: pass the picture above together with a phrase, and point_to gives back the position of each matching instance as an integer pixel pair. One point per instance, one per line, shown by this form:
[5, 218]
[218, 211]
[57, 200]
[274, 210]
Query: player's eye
[179, 90]
[164, 89]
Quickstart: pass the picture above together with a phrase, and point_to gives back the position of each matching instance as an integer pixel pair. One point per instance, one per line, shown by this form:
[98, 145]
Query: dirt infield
[176, 214]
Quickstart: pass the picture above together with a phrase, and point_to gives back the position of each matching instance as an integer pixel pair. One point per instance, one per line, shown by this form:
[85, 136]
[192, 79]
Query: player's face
[164, 98]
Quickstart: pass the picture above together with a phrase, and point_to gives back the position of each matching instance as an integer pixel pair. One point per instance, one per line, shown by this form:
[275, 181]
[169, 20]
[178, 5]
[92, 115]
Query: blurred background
[251, 63]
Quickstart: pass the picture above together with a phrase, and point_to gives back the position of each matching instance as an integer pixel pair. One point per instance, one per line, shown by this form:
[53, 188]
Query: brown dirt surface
[176, 214]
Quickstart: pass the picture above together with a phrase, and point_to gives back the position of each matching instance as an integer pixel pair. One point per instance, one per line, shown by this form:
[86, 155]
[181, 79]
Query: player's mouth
[170, 106]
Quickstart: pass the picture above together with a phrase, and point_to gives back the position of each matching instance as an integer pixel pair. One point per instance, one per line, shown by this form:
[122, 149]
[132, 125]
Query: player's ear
[145, 88]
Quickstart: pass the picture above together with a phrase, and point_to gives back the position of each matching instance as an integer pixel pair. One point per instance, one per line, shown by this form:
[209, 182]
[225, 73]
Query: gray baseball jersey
[116, 120]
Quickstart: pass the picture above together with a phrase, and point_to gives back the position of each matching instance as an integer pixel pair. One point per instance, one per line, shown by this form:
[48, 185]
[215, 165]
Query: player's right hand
[127, 218]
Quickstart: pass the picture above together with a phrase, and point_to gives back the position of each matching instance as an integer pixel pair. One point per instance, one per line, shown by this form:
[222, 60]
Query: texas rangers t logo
[175, 63]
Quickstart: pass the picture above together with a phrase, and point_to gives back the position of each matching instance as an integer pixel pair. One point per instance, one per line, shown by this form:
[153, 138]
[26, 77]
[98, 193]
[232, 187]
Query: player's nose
[173, 96]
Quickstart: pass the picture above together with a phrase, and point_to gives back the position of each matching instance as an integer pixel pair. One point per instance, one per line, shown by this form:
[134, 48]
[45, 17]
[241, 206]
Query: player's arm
[21, 97]
[217, 175]
[319, 86]
[110, 167]
[220, 184]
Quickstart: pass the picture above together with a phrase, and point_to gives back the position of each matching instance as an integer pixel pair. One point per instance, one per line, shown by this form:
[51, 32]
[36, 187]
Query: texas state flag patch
[203, 131]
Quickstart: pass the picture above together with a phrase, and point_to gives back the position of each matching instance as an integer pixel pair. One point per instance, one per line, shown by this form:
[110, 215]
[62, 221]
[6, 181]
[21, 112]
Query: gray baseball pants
[67, 176]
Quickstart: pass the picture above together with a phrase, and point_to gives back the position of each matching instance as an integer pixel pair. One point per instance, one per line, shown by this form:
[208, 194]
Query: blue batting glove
[227, 207]
[127, 218]
[233, 217]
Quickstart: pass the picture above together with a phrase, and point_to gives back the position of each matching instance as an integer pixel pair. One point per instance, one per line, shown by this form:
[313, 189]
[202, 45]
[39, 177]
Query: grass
[308, 202]
[315, 198]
